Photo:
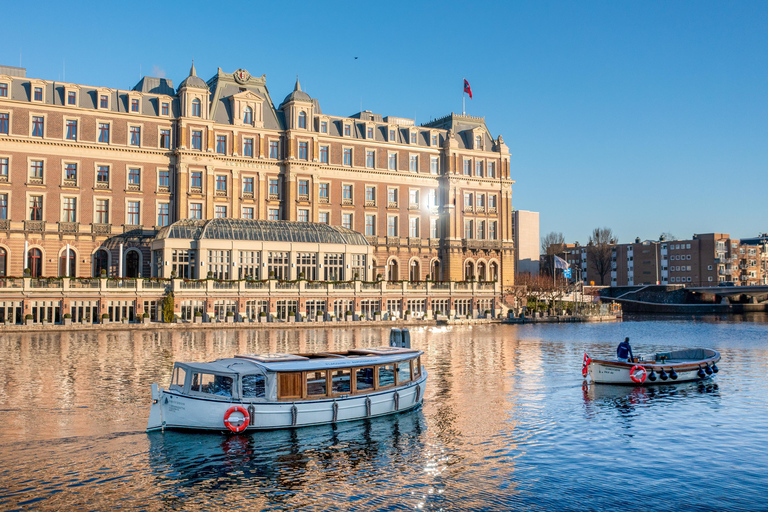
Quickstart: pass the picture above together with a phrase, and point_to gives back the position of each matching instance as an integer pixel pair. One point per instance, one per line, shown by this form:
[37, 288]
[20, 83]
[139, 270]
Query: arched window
[63, 271]
[100, 262]
[481, 272]
[435, 271]
[302, 120]
[132, 264]
[3, 262]
[35, 262]
[415, 274]
[469, 273]
[196, 107]
[494, 272]
[393, 272]
[248, 115]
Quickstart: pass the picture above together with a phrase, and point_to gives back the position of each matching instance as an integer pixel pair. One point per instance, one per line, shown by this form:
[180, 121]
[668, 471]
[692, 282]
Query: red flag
[585, 365]
[467, 88]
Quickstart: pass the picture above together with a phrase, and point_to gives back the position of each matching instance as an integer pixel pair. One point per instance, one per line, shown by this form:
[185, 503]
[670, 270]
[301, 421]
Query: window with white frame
[303, 215]
[434, 165]
[413, 164]
[413, 227]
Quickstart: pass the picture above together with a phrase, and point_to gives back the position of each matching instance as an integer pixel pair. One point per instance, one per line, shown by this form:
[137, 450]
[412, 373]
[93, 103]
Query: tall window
[324, 127]
[102, 211]
[197, 180]
[221, 184]
[164, 109]
[248, 186]
[197, 139]
[195, 211]
[70, 172]
[370, 225]
[433, 228]
[347, 130]
[35, 258]
[196, 107]
[392, 197]
[434, 140]
[467, 167]
[221, 144]
[104, 101]
[104, 133]
[69, 205]
[164, 179]
[3, 90]
[346, 192]
[220, 211]
[35, 207]
[303, 151]
[248, 115]
[165, 139]
[273, 214]
[4, 122]
[347, 156]
[414, 163]
[413, 227]
[100, 262]
[37, 126]
[492, 230]
[414, 138]
[392, 160]
[481, 230]
[478, 144]
[392, 136]
[3, 262]
[369, 133]
[324, 154]
[346, 220]
[491, 170]
[102, 175]
[134, 105]
[370, 158]
[302, 120]
[323, 191]
[370, 194]
[479, 168]
[273, 150]
[3, 169]
[71, 129]
[3, 206]
[135, 136]
[248, 212]
[324, 218]
[392, 226]
[36, 170]
[273, 187]
[132, 217]
[303, 215]
[492, 201]
[71, 98]
[247, 147]
[38, 94]
[303, 187]
[134, 177]
[467, 229]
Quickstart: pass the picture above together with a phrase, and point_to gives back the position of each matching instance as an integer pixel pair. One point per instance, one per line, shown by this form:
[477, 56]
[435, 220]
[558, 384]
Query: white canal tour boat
[272, 391]
[659, 368]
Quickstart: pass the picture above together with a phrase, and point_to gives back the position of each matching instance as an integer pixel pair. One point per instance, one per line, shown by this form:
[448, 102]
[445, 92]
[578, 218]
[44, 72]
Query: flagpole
[463, 98]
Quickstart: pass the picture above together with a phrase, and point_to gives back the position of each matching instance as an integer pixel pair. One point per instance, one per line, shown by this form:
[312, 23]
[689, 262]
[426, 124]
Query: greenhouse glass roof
[260, 231]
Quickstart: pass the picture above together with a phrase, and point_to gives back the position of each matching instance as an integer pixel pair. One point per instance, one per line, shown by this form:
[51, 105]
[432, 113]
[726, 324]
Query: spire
[192, 71]
[297, 87]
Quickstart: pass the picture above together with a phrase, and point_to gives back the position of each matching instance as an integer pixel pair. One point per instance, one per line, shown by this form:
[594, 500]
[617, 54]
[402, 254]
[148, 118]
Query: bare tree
[599, 252]
[667, 236]
[551, 243]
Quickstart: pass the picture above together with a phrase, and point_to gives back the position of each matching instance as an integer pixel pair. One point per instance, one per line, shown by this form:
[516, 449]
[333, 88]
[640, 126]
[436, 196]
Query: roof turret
[297, 94]
[193, 80]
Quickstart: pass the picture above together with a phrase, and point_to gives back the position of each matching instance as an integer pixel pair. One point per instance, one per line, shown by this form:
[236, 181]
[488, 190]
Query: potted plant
[362, 318]
[291, 316]
[230, 317]
[198, 317]
[27, 272]
[263, 317]
[357, 276]
[377, 315]
[378, 277]
[271, 274]
[319, 316]
[301, 275]
[408, 314]
[103, 273]
[28, 319]
[487, 313]
[105, 318]
[67, 319]
[348, 316]
[145, 317]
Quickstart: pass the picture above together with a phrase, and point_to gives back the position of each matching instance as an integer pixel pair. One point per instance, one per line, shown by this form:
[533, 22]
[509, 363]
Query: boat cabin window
[340, 381]
[218, 385]
[179, 376]
[253, 386]
[403, 371]
[364, 379]
[416, 367]
[386, 375]
[316, 383]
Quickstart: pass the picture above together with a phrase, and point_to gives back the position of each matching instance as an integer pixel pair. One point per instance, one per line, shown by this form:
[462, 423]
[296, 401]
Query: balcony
[134, 187]
[5, 224]
[101, 229]
[70, 183]
[273, 197]
[304, 197]
[69, 227]
[248, 194]
[133, 228]
[346, 201]
[491, 209]
[413, 206]
[481, 244]
[392, 204]
[414, 241]
[372, 239]
[393, 240]
[3, 178]
[34, 225]
[195, 190]
[323, 200]
[370, 203]
[164, 189]
[480, 209]
[102, 185]
[221, 193]
[434, 242]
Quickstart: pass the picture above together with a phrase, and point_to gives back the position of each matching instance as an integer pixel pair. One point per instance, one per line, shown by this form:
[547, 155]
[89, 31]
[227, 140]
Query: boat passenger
[624, 351]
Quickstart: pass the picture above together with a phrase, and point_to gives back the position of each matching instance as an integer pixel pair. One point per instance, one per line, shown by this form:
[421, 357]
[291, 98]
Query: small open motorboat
[271, 391]
[662, 367]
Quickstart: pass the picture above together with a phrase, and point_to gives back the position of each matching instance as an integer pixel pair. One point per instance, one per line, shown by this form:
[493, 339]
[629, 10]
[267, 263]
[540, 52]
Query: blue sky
[645, 117]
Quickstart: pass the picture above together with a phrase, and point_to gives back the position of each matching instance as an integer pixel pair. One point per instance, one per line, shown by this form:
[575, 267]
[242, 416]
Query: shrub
[301, 275]
[210, 274]
[348, 313]
[105, 316]
[103, 272]
[67, 315]
[271, 274]
[28, 316]
[320, 313]
[199, 314]
[168, 306]
[407, 311]
[487, 312]
[263, 314]
[145, 315]
[438, 312]
[230, 313]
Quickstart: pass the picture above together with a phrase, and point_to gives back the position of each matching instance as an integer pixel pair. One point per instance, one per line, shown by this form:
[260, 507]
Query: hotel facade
[213, 181]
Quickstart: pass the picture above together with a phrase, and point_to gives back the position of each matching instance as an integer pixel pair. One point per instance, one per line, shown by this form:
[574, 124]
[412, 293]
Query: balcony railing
[347, 201]
[369, 203]
[196, 190]
[102, 184]
[5, 224]
[304, 197]
[101, 229]
[134, 187]
[69, 227]
[35, 180]
[248, 194]
[70, 183]
[34, 225]
[392, 204]
[274, 197]
[323, 200]
[221, 193]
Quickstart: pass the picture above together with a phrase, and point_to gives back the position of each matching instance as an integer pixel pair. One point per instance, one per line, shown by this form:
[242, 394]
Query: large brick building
[90, 174]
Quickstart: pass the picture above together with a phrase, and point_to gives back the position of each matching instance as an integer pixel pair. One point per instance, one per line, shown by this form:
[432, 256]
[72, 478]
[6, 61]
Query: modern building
[526, 229]
[90, 175]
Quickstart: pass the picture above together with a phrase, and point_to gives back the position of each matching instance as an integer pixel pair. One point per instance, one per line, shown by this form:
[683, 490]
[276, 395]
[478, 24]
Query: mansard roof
[155, 85]
[260, 231]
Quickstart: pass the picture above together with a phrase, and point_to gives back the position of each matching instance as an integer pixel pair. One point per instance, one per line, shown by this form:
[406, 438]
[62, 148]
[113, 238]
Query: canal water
[507, 423]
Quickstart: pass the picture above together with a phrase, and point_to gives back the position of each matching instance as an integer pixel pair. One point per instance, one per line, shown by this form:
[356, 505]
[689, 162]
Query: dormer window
[103, 101]
[414, 137]
[134, 105]
[302, 120]
[347, 130]
[4, 90]
[196, 107]
[434, 139]
[71, 98]
[164, 108]
[324, 127]
[369, 133]
[392, 135]
[478, 142]
[38, 94]
[248, 115]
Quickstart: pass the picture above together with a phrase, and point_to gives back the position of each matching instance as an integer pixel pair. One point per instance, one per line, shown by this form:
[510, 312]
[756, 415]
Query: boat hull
[617, 372]
[174, 411]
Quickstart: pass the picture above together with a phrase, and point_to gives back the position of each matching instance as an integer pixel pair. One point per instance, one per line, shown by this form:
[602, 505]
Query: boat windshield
[219, 385]
[254, 386]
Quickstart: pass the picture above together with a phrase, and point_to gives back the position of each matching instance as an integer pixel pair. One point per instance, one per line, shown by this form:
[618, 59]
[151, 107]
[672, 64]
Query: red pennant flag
[467, 88]
[585, 365]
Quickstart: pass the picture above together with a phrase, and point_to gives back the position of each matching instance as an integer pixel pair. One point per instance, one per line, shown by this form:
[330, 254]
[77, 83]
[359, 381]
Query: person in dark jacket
[624, 351]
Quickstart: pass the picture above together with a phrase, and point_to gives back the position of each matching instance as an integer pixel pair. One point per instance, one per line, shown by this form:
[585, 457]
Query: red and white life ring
[638, 374]
[246, 419]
